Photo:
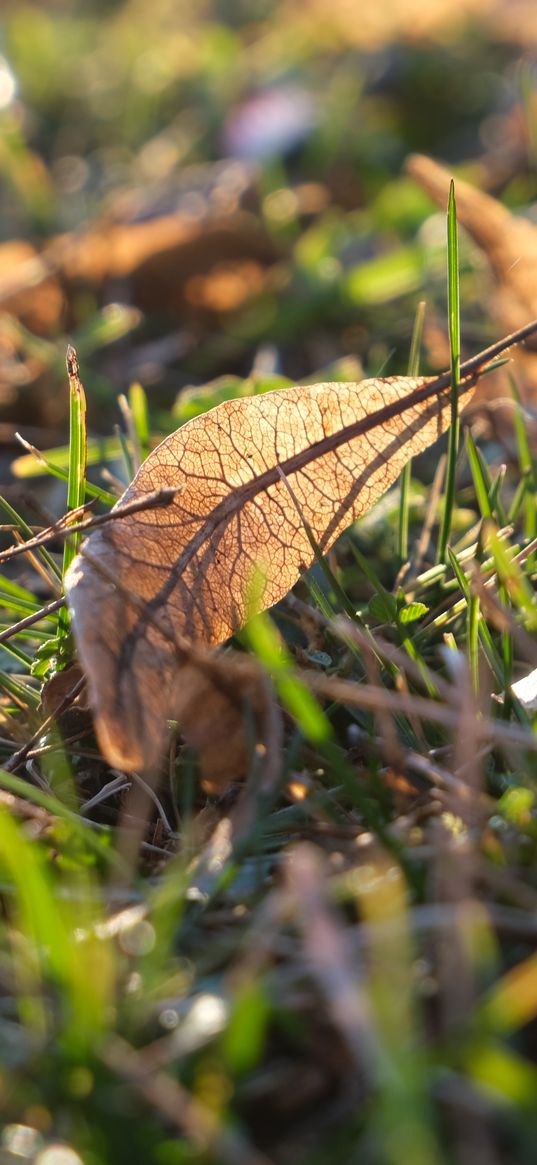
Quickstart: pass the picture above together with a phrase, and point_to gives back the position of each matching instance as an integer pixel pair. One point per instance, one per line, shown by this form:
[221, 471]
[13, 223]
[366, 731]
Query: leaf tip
[72, 361]
[120, 749]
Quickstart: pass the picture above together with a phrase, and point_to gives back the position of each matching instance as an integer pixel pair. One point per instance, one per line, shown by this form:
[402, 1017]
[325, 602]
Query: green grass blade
[126, 453]
[19, 600]
[60, 944]
[92, 491]
[480, 474]
[495, 496]
[24, 528]
[21, 692]
[527, 466]
[455, 357]
[267, 644]
[99, 451]
[76, 485]
[477, 629]
[96, 842]
[140, 417]
[406, 476]
[17, 653]
[515, 581]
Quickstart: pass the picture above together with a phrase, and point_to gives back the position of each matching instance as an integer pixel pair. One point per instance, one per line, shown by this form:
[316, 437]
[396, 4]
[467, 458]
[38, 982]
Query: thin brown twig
[342, 626]
[117, 785]
[19, 757]
[61, 529]
[179, 1107]
[471, 371]
[48, 577]
[362, 696]
[29, 620]
[152, 797]
[409, 576]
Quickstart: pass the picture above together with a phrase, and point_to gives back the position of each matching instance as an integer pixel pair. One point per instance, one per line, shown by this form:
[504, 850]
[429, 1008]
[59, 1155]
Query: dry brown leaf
[161, 260]
[248, 475]
[192, 269]
[161, 257]
[213, 703]
[28, 290]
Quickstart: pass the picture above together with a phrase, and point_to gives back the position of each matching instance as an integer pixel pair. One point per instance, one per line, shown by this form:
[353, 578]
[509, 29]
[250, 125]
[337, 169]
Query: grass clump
[335, 963]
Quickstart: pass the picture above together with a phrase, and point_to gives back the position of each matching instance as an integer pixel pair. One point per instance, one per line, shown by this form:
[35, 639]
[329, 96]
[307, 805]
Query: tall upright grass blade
[477, 628]
[516, 582]
[24, 528]
[455, 360]
[21, 469]
[527, 466]
[267, 644]
[76, 485]
[140, 416]
[406, 476]
[61, 945]
[402, 1113]
[127, 452]
[481, 476]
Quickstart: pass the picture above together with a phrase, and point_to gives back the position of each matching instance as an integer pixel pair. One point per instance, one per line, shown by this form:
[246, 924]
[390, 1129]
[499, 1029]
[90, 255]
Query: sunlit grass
[338, 968]
[454, 326]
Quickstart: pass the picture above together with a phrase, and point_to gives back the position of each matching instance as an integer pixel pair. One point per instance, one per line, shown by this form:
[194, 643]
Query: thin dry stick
[470, 371]
[62, 528]
[116, 786]
[454, 866]
[178, 1107]
[357, 695]
[131, 829]
[48, 577]
[19, 757]
[448, 782]
[153, 797]
[31, 619]
[326, 947]
[344, 629]
[10, 527]
[422, 547]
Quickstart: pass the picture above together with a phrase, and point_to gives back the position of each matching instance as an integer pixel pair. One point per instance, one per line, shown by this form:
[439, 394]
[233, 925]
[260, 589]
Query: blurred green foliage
[126, 111]
[238, 1002]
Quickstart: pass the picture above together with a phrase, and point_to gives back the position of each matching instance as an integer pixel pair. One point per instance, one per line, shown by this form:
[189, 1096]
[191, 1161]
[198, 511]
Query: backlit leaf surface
[250, 475]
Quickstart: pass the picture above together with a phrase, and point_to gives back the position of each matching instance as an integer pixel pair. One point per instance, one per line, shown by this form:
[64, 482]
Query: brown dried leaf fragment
[212, 704]
[191, 268]
[28, 290]
[247, 474]
[162, 260]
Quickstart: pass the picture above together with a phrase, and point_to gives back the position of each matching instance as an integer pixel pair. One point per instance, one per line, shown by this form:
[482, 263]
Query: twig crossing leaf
[144, 586]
